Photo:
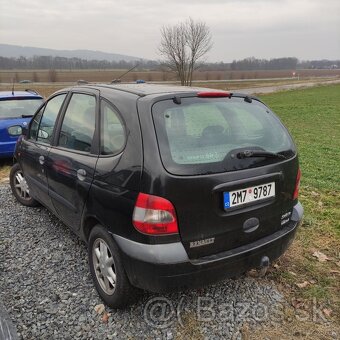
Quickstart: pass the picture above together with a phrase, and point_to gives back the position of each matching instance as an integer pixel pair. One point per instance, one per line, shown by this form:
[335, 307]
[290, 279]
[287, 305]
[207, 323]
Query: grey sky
[307, 29]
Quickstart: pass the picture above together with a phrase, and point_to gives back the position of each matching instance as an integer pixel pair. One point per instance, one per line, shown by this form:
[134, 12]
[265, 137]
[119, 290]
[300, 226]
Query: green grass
[313, 118]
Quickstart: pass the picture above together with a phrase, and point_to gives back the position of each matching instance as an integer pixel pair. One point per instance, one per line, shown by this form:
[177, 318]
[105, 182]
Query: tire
[20, 187]
[107, 270]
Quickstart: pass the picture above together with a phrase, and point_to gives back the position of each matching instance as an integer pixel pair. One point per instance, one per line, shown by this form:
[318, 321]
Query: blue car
[16, 110]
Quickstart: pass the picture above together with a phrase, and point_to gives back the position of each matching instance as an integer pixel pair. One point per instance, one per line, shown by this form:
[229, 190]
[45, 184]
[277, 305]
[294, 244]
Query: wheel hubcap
[104, 266]
[21, 186]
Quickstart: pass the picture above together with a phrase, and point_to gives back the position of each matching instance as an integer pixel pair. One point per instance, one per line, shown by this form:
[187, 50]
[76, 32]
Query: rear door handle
[41, 160]
[81, 174]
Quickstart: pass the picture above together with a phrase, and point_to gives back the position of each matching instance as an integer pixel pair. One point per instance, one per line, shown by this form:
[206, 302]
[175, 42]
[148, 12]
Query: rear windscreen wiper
[259, 153]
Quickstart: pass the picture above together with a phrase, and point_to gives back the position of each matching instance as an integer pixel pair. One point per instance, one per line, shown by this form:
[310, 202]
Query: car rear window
[204, 135]
[16, 108]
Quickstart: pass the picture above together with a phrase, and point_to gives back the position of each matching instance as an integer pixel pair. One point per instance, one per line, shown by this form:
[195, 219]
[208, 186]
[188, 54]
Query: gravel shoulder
[46, 287]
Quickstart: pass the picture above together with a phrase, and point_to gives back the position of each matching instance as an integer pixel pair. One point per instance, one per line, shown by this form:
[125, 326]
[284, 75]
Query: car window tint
[112, 130]
[190, 123]
[203, 135]
[33, 133]
[79, 123]
[49, 117]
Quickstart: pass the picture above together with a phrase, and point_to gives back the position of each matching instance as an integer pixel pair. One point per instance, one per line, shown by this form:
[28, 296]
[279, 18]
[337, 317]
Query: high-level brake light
[213, 94]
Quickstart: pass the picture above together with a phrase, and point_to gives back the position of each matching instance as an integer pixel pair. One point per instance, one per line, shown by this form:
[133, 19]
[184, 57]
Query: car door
[73, 157]
[35, 148]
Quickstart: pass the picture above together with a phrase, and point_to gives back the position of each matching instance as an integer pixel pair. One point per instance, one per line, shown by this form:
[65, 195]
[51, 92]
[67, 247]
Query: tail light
[154, 215]
[297, 185]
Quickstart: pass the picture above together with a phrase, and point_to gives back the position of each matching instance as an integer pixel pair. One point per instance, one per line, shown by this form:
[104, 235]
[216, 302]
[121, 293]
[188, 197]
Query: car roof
[146, 89]
[150, 89]
[19, 94]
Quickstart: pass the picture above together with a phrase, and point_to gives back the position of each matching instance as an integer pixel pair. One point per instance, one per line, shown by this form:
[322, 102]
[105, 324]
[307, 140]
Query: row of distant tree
[282, 64]
[252, 63]
[49, 62]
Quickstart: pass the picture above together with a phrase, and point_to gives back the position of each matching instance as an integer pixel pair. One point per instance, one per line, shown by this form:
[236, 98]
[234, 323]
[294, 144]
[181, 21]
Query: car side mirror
[43, 134]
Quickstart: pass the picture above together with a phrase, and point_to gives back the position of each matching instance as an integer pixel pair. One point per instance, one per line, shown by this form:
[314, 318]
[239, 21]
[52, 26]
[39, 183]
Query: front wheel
[20, 187]
[107, 269]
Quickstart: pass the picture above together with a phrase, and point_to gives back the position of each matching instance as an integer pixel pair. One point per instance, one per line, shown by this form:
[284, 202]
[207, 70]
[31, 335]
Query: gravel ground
[47, 289]
[7, 329]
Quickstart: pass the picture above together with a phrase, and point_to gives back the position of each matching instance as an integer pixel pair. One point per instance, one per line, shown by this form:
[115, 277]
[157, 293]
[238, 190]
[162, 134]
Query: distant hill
[16, 51]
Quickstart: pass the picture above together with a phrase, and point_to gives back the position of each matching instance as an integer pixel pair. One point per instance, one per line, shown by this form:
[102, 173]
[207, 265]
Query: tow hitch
[263, 266]
[262, 269]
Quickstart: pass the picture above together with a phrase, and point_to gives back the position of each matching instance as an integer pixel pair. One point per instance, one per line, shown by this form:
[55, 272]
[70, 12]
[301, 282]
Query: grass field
[303, 274]
[313, 118]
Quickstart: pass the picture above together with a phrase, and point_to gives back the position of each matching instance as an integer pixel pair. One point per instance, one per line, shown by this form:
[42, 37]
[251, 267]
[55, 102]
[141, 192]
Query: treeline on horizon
[50, 62]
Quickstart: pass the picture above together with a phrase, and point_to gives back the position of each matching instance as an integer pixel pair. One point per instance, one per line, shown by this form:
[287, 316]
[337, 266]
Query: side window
[112, 130]
[33, 133]
[48, 119]
[79, 123]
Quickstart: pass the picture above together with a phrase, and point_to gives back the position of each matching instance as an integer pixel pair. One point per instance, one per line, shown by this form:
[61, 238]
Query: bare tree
[183, 46]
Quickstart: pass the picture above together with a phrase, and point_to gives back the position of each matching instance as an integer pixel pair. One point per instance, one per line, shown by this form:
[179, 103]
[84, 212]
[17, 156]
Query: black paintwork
[108, 192]
[164, 277]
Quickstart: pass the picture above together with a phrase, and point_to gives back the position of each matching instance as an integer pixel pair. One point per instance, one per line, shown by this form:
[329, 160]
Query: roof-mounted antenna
[13, 86]
[118, 80]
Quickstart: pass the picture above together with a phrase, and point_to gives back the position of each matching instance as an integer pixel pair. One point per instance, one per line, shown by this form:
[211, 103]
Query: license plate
[248, 195]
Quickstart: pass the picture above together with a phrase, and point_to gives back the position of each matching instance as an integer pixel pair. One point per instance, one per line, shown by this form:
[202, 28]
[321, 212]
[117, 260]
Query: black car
[170, 187]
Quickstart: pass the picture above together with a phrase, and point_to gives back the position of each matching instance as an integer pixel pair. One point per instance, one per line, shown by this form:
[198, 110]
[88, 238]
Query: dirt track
[270, 89]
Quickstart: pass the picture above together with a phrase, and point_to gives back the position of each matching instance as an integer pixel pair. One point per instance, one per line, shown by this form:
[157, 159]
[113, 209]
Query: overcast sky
[306, 29]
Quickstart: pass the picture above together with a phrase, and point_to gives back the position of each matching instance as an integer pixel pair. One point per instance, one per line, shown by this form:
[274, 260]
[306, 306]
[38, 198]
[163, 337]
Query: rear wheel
[107, 269]
[20, 187]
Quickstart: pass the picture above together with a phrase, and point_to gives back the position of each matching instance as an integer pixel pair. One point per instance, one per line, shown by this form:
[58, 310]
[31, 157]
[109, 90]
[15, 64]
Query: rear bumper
[166, 267]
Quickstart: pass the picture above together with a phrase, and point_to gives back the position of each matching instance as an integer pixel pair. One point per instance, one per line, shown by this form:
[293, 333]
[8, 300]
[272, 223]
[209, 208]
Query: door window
[47, 121]
[113, 135]
[35, 124]
[79, 123]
